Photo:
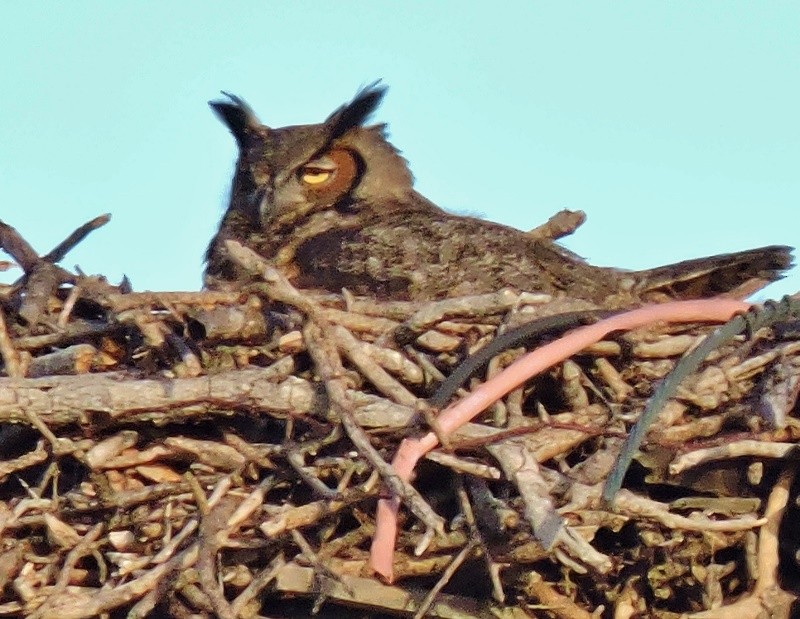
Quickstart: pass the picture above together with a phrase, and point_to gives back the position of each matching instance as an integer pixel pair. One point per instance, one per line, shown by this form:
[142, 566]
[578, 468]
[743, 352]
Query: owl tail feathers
[736, 275]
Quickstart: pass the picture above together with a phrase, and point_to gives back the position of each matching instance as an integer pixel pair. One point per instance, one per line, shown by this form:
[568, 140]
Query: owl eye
[319, 170]
[315, 176]
[329, 175]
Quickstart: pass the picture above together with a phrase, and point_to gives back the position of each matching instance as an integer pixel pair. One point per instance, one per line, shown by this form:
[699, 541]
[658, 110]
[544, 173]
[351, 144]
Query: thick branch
[69, 399]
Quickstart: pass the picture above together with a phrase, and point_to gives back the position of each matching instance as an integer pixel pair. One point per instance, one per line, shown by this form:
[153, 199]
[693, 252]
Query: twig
[326, 366]
[489, 513]
[17, 247]
[79, 551]
[309, 514]
[641, 507]
[478, 305]
[560, 605]
[295, 458]
[69, 305]
[65, 246]
[548, 526]
[32, 458]
[393, 361]
[559, 225]
[371, 370]
[311, 556]
[8, 353]
[93, 604]
[59, 445]
[739, 449]
[461, 465]
[214, 530]
[75, 331]
[145, 300]
[767, 598]
[43, 277]
[258, 584]
[445, 578]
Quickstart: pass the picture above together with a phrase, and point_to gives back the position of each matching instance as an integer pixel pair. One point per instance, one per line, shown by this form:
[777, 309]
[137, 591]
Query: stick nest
[184, 454]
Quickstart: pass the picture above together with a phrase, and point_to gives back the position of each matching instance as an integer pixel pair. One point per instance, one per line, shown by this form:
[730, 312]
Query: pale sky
[674, 125]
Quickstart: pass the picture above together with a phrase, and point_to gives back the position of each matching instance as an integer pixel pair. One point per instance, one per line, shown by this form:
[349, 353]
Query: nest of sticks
[224, 454]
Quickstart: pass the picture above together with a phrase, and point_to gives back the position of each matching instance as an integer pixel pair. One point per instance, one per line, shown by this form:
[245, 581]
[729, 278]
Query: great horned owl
[333, 206]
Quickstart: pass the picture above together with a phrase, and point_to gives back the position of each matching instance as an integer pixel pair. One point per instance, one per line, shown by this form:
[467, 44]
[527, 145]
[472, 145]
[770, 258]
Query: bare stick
[61, 250]
[559, 225]
[8, 353]
[18, 248]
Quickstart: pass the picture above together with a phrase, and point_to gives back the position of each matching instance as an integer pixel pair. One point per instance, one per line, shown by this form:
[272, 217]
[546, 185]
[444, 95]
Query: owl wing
[432, 255]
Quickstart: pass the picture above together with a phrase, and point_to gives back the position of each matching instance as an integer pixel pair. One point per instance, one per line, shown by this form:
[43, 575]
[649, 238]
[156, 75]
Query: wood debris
[213, 454]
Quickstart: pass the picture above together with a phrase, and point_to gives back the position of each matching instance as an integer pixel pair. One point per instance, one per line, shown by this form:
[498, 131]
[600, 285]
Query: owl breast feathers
[333, 206]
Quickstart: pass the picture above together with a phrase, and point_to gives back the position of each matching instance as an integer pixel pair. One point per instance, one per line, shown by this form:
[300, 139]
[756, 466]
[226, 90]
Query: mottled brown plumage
[333, 206]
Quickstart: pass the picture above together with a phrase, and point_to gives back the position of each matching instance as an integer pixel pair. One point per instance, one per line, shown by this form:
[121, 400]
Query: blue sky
[674, 125]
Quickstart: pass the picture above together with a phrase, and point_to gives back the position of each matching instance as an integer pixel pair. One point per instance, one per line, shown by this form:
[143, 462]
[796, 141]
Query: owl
[333, 206]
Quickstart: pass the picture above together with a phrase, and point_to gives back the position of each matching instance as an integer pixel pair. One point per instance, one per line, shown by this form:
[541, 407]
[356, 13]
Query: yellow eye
[315, 176]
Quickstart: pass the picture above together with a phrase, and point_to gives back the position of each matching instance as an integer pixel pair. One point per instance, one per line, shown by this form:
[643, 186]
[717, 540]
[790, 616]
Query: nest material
[214, 454]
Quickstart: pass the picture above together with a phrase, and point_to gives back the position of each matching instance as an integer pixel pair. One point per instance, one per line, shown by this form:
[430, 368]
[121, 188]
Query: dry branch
[222, 454]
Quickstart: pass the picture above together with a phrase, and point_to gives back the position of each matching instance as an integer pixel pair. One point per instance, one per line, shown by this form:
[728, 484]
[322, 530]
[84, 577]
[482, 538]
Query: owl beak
[261, 203]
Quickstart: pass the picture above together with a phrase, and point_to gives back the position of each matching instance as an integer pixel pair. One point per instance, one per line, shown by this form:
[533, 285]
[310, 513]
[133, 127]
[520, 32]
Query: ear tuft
[356, 112]
[237, 116]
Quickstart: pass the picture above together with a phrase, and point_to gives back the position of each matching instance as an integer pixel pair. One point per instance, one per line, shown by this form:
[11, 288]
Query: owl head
[287, 174]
